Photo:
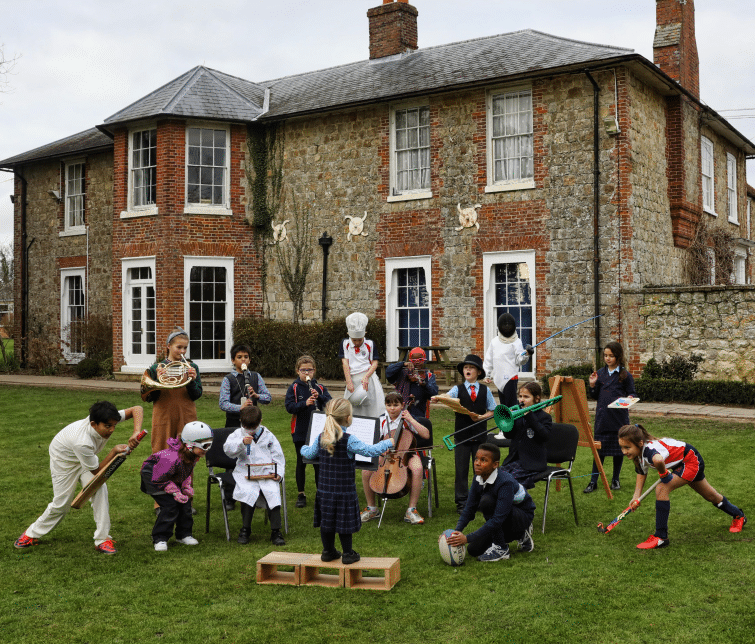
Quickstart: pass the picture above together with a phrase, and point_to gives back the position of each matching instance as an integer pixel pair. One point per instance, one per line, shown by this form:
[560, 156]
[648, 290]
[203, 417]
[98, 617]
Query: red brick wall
[171, 235]
[680, 61]
[393, 29]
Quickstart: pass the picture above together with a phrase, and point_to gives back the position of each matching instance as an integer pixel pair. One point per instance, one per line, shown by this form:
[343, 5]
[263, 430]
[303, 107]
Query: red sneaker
[652, 542]
[24, 542]
[107, 547]
[736, 525]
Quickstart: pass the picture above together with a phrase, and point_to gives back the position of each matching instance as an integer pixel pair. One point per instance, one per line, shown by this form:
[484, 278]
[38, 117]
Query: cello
[392, 475]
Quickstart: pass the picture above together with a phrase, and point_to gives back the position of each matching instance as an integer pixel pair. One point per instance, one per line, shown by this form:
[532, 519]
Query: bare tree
[7, 66]
[6, 272]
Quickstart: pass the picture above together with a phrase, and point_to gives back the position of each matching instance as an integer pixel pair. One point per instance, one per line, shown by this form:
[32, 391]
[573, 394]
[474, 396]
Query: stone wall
[717, 322]
[51, 251]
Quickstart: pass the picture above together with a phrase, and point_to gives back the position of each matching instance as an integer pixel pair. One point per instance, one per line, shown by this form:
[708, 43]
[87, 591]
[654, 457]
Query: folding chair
[562, 447]
[217, 458]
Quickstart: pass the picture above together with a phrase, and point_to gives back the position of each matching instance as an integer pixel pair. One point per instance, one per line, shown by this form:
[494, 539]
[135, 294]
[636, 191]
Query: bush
[87, 368]
[674, 368]
[276, 345]
[580, 371]
[715, 392]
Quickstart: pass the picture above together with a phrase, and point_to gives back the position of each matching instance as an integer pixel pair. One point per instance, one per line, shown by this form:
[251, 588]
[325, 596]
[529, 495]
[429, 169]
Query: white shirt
[387, 425]
[78, 444]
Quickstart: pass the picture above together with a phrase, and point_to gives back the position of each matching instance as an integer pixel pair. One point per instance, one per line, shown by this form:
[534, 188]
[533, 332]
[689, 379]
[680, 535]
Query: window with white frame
[731, 187]
[410, 153]
[739, 275]
[408, 303]
[706, 149]
[510, 139]
[74, 197]
[209, 308]
[207, 159]
[72, 312]
[509, 287]
[143, 169]
[139, 304]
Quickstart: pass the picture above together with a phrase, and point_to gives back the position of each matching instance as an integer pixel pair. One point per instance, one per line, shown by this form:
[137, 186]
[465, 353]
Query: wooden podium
[573, 410]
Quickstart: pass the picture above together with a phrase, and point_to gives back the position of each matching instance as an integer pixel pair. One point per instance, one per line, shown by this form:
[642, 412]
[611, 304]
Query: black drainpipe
[325, 241]
[596, 215]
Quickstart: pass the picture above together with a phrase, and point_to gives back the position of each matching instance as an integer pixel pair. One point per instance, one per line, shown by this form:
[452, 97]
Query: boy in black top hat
[476, 397]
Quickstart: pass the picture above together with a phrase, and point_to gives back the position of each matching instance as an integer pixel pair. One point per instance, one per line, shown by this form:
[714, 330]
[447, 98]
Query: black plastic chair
[562, 448]
[217, 458]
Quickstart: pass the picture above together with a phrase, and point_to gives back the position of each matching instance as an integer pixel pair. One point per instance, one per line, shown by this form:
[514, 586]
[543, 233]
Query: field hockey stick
[618, 519]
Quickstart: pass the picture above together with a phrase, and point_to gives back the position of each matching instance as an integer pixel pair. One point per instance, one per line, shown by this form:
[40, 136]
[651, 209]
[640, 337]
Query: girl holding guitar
[394, 417]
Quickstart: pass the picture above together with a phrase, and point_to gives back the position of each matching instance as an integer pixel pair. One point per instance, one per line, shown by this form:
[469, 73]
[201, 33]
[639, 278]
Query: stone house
[522, 172]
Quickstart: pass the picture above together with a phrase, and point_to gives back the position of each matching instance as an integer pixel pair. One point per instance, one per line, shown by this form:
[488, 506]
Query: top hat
[475, 361]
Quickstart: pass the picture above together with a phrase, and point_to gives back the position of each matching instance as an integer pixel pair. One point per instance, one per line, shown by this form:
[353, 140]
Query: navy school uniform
[528, 453]
[608, 421]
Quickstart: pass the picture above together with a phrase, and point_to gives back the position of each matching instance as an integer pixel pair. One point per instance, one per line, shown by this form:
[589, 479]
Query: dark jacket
[528, 441]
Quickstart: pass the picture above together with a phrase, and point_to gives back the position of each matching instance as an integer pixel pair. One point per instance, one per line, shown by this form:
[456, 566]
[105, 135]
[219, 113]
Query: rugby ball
[452, 555]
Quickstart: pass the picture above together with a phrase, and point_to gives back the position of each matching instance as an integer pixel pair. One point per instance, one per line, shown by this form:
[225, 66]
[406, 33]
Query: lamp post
[325, 241]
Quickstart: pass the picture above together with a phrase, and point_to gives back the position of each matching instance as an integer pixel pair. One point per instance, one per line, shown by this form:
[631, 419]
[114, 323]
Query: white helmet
[197, 434]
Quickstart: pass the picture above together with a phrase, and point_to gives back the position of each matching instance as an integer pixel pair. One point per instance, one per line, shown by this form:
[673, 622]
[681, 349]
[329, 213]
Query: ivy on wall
[264, 174]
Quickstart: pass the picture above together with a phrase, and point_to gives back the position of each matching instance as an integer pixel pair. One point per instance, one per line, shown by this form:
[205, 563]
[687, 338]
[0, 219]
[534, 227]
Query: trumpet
[504, 417]
[173, 375]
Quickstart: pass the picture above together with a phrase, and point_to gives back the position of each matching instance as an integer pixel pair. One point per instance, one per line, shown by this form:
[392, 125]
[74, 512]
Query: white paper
[362, 427]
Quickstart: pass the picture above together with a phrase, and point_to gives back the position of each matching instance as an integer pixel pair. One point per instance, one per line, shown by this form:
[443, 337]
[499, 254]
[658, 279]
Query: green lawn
[577, 585]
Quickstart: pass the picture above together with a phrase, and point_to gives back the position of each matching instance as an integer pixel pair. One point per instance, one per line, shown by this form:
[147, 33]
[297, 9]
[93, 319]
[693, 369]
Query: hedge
[276, 345]
[711, 392]
[581, 371]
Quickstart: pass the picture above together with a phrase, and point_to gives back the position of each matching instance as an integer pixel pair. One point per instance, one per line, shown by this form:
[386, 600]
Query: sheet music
[365, 428]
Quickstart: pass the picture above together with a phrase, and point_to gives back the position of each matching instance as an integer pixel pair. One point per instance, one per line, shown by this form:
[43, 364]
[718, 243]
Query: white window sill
[409, 196]
[527, 184]
[734, 221]
[142, 212]
[207, 210]
[710, 212]
[72, 232]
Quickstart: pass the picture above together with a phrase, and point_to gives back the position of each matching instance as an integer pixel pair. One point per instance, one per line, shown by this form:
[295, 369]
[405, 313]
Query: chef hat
[356, 325]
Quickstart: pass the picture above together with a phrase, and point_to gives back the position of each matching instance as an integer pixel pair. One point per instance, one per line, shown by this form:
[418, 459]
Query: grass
[577, 585]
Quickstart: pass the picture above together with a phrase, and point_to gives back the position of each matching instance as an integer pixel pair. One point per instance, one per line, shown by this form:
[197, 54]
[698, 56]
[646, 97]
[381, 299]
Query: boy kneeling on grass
[505, 504]
[73, 457]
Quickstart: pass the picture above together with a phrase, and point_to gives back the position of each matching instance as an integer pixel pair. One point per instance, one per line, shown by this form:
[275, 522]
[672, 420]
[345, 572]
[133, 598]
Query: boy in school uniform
[73, 457]
[241, 383]
[476, 397]
[507, 508]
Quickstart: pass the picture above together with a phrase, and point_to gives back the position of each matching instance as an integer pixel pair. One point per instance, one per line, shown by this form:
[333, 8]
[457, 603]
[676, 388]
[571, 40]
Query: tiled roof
[199, 93]
[87, 141]
[425, 70]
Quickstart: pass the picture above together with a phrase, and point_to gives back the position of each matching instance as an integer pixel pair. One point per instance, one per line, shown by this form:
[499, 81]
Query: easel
[573, 410]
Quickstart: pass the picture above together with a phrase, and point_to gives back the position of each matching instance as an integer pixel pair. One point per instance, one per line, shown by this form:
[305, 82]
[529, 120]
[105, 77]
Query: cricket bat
[90, 489]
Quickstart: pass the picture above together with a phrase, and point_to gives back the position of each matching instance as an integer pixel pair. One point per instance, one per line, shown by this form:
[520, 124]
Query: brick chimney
[393, 28]
[674, 45]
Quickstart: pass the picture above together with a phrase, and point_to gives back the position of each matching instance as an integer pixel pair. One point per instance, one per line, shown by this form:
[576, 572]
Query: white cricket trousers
[64, 481]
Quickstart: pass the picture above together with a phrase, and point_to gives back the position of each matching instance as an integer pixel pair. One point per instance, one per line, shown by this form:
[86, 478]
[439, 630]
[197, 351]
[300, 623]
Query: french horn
[173, 375]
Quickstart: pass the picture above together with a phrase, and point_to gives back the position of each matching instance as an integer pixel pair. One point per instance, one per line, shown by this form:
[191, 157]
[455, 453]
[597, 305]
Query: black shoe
[277, 538]
[615, 485]
[350, 557]
[230, 506]
[301, 501]
[591, 487]
[244, 535]
[330, 555]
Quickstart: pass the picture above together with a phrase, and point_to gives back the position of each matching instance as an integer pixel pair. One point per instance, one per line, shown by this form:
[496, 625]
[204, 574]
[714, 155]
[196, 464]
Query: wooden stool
[353, 573]
[268, 572]
[311, 576]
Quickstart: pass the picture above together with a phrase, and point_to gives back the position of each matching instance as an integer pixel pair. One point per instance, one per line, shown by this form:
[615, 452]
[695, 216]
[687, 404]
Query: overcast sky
[82, 61]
